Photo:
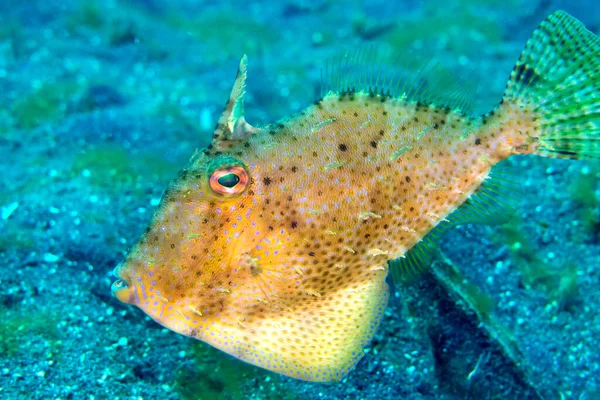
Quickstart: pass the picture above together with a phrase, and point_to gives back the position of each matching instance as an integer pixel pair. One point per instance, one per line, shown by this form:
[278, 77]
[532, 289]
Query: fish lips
[122, 288]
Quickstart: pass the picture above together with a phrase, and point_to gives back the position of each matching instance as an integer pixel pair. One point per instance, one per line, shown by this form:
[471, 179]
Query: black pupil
[229, 180]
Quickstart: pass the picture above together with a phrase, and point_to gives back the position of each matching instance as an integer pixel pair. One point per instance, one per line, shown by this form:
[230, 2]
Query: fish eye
[229, 181]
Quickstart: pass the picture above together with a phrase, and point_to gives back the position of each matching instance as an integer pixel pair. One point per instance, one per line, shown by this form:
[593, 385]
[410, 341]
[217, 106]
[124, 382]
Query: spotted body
[273, 243]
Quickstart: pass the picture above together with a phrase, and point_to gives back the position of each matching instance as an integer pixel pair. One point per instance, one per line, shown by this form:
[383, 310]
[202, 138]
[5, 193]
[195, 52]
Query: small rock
[8, 209]
[51, 258]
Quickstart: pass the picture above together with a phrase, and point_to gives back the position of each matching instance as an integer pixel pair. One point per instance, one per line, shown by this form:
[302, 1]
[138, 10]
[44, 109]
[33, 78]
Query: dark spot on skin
[267, 181]
[381, 132]
[172, 246]
[246, 144]
[314, 153]
[477, 142]
[294, 224]
[374, 144]
[408, 179]
[312, 254]
[356, 114]
[343, 147]
[294, 169]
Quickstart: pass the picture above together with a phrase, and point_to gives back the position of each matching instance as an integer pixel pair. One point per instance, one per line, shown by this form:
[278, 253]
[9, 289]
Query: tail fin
[558, 78]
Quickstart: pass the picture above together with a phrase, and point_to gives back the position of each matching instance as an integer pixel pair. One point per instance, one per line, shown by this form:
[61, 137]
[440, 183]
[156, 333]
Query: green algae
[18, 326]
[112, 167]
[181, 117]
[224, 33]
[17, 238]
[558, 281]
[214, 375]
[462, 34]
[90, 14]
[480, 302]
[45, 104]
[583, 191]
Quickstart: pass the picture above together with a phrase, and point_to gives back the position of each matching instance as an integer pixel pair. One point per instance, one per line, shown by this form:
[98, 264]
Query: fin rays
[374, 71]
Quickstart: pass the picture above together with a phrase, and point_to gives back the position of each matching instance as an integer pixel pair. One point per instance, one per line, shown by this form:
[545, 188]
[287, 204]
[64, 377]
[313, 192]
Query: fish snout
[122, 288]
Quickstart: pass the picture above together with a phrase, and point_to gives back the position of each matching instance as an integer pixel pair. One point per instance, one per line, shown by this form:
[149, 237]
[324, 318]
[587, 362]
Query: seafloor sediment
[101, 102]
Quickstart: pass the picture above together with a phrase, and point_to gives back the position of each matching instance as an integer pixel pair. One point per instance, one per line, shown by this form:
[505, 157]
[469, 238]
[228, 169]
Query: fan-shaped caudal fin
[555, 89]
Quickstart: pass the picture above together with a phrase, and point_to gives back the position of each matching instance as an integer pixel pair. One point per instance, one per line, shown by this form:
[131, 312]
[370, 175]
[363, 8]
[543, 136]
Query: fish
[274, 243]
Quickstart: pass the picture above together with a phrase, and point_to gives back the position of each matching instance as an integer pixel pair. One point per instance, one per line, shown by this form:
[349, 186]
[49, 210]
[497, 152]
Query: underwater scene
[300, 199]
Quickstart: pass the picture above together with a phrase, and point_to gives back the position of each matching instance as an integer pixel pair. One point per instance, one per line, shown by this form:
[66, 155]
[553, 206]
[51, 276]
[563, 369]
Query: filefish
[274, 243]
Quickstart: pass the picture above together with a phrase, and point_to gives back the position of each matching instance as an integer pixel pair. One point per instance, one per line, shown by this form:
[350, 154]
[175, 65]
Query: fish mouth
[122, 288]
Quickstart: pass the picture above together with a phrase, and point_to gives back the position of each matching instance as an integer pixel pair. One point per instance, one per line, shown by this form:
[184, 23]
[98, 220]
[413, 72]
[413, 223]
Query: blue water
[102, 102]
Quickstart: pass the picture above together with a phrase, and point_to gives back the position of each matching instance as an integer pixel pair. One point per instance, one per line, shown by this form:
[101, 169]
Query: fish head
[189, 258]
[196, 233]
[229, 260]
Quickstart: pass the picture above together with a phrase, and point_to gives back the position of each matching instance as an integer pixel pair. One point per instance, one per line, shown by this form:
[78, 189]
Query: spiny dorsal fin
[494, 202]
[232, 125]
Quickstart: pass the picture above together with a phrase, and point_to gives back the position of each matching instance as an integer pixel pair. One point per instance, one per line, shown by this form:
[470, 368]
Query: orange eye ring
[229, 181]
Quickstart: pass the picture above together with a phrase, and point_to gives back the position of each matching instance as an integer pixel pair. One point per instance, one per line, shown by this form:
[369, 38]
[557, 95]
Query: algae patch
[18, 326]
[114, 167]
[44, 104]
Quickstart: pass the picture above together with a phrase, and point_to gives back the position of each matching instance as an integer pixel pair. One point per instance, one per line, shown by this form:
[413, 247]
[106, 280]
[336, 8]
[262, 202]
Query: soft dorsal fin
[379, 71]
[494, 202]
[232, 125]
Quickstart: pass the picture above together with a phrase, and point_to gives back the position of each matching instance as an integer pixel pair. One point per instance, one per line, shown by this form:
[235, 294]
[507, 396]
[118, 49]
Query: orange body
[290, 275]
